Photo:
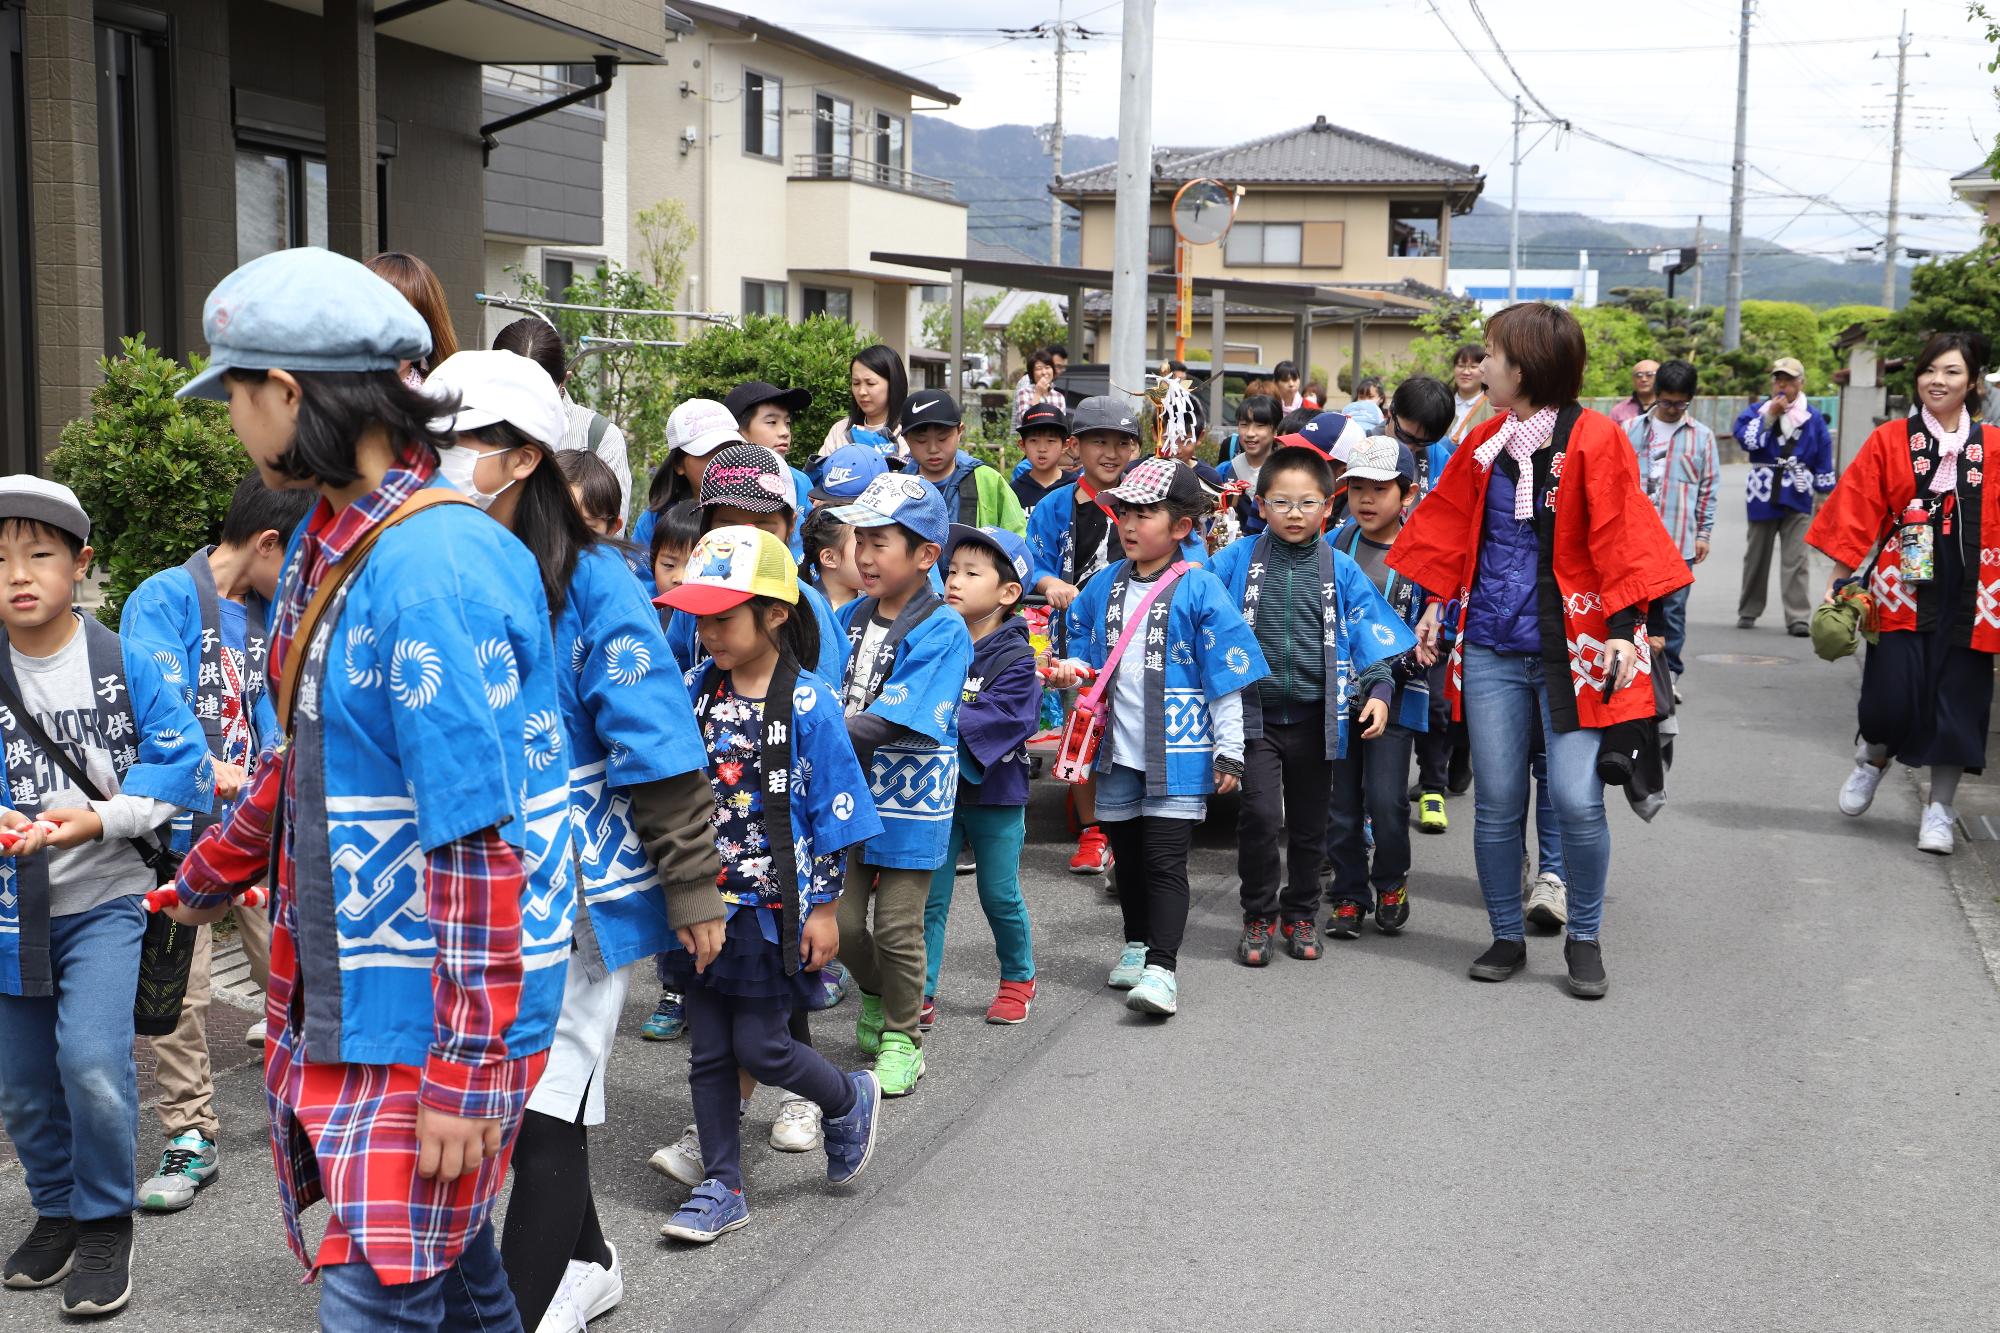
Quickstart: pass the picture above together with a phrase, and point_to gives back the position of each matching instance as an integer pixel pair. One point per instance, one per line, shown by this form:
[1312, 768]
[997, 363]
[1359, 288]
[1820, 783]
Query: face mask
[457, 466]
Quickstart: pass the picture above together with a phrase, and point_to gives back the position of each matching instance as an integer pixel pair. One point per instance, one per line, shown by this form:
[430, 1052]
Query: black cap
[755, 393]
[1043, 414]
[929, 407]
[747, 477]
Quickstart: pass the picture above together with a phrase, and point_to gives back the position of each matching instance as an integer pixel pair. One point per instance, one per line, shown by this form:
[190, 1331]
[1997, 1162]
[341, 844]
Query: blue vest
[1502, 612]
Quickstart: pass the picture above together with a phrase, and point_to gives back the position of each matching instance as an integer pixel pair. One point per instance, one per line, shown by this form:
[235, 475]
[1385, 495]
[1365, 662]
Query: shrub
[154, 473]
[812, 355]
[1616, 340]
[1036, 326]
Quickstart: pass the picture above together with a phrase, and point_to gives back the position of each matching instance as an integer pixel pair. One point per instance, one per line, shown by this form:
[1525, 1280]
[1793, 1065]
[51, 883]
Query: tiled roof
[1321, 153]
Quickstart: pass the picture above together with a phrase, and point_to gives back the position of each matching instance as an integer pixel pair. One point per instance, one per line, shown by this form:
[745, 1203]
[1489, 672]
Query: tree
[154, 472]
[1035, 327]
[1441, 331]
[1615, 338]
[937, 326]
[1962, 292]
[666, 234]
[813, 355]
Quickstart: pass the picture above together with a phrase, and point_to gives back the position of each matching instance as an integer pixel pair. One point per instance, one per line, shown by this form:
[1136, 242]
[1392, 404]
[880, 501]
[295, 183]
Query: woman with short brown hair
[1541, 532]
[420, 287]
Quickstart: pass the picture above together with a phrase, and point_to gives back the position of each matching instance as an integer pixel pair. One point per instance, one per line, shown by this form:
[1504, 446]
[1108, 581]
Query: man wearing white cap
[1791, 462]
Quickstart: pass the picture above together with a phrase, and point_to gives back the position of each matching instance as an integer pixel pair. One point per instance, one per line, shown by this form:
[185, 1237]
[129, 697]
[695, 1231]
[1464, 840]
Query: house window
[888, 142]
[134, 194]
[557, 274]
[1159, 245]
[1254, 244]
[763, 298]
[833, 136]
[835, 301]
[1415, 230]
[763, 115]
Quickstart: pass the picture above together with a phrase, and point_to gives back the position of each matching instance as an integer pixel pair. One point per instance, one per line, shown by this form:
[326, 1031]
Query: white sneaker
[681, 1160]
[587, 1291]
[1935, 834]
[1858, 792]
[254, 1036]
[1548, 901]
[797, 1127]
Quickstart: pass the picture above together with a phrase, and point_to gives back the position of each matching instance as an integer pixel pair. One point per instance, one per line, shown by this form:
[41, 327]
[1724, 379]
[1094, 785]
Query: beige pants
[185, 1078]
[887, 960]
[1789, 534]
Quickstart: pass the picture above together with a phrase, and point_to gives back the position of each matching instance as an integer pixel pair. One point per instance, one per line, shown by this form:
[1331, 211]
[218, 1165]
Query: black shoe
[1746, 622]
[1392, 910]
[101, 1283]
[1586, 969]
[965, 865]
[1501, 961]
[1254, 948]
[44, 1258]
[1458, 776]
[1345, 923]
[1799, 630]
[1301, 940]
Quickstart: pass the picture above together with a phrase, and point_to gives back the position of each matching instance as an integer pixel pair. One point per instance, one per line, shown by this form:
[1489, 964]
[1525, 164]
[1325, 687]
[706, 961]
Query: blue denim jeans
[1548, 829]
[996, 833]
[1505, 700]
[1673, 624]
[472, 1295]
[69, 1092]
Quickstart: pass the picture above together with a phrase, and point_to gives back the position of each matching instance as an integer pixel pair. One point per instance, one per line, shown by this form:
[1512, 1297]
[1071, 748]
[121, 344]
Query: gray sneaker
[188, 1163]
[1548, 901]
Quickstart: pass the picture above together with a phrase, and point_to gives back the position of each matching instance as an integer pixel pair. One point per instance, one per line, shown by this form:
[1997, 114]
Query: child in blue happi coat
[1174, 733]
[789, 802]
[998, 711]
[1329, 635]
[213, 613]
[1371, 781]
[1420, 416]
[638, 799]
[907, 663]
[71, 923]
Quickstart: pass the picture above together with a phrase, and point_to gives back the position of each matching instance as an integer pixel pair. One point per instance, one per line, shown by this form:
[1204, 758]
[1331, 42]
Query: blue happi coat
[828, 793]
[1411, 707]
[1362, 629]
[156, 749]
[428, 709]
[1051, 534]
[685, 642]
[627, 720]
[1204, 652]
[915, 782]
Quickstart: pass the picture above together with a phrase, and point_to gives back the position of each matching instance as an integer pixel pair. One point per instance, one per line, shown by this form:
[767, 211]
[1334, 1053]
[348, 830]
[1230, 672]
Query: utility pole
[1133, 207]
[1514, 214]
[1056, 142]
[1697, 259]
[1732, 310]
[1895, 170]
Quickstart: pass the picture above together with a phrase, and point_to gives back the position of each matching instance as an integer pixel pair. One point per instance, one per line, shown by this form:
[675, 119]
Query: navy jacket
[1502, 613]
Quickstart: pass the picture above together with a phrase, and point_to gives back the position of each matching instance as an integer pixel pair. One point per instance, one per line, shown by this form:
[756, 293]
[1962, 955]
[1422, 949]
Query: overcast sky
[1657, 77]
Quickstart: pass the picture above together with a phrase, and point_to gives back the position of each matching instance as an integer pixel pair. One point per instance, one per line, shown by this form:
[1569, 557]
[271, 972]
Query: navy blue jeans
[1373, 781]
[1673, 624]
[472, 1295]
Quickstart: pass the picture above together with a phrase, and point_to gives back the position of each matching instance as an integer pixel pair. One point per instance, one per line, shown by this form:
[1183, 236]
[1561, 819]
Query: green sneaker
[868, 1027]
[1130, 967]
[899, 1066]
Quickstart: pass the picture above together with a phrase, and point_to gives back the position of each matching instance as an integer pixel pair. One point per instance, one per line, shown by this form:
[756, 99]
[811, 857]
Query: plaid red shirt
[347, 1132]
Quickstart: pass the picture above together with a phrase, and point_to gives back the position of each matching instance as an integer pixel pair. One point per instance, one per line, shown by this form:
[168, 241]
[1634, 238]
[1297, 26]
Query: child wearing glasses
[1330, 638]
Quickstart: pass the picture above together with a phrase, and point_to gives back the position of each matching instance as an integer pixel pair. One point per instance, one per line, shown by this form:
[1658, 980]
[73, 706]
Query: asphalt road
[1780, 1118]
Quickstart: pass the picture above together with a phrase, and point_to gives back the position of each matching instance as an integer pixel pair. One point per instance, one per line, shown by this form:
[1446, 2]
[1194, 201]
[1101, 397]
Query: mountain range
[1002, 174]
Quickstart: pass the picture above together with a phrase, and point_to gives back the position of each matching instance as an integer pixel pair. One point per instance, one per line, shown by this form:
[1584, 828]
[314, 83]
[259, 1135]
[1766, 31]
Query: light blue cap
[305, 309]
[898, 497]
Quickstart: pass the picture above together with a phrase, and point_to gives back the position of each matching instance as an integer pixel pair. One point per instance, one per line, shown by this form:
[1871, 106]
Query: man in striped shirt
[1678, 464]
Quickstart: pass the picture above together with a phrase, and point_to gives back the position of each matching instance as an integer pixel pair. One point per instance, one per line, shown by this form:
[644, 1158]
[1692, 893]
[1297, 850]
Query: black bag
[166, 956]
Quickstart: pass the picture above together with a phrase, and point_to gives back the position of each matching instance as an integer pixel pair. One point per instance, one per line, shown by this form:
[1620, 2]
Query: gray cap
[1104, 412]
[305, 309]
[50, 502]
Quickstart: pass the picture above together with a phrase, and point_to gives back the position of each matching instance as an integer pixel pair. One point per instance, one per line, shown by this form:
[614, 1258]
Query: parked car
[977, 373]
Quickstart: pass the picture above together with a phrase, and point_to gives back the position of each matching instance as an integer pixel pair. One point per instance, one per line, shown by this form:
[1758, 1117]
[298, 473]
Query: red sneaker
[1093, 853]
[1012, 1003]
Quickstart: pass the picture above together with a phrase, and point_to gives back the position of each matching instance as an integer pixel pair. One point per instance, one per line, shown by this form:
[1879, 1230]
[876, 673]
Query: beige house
[1322, 205]
[1978, 188]
[793, 158]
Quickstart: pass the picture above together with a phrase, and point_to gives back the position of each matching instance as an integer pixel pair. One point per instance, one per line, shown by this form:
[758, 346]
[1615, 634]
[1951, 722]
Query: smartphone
[1611, 670]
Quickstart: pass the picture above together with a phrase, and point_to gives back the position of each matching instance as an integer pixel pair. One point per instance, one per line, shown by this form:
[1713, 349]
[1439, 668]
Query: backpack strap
[599, 424]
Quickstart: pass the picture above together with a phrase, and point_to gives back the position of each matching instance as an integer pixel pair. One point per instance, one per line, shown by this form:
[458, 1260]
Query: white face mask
[458, 465]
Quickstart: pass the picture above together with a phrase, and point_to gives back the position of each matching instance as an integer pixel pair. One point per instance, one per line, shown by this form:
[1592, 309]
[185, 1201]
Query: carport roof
[1294, 297]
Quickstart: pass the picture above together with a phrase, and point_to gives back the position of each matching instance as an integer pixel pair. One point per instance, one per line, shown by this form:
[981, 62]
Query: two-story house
[1322, 205]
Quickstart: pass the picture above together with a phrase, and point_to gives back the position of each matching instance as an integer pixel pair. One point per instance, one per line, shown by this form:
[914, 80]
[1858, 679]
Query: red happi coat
[1609, 552]
[1870, 498]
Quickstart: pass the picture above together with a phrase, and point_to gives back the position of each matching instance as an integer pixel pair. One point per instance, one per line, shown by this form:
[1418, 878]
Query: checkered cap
[1154, 481]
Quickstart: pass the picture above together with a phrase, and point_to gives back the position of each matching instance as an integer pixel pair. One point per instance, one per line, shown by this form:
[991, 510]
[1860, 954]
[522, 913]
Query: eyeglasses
[1287, 505]
[1671, 404]
[1404, 437]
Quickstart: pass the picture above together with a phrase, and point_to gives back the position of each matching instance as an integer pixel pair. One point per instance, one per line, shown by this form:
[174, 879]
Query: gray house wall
[545, 182]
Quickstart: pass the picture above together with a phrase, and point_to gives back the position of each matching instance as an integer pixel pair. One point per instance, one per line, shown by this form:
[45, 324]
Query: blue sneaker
[1158, 992]
[1130, 968]
[188, 1163]
[833, 983]
[668, 1021]
[850, 1139]
[710, 1211]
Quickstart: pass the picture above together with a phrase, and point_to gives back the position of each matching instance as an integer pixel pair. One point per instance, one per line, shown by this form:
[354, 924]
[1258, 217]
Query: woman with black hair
[636, 768]
[1915, 498]
[877, 384]
[584, 429]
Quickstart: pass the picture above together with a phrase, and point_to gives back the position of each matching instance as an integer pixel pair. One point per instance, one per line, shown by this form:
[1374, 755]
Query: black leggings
[552, 1218]
[1149, 859]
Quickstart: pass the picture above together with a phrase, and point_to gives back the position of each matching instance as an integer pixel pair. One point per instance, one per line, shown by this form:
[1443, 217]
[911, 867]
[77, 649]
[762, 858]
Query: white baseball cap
[700, 426]
[499, 386]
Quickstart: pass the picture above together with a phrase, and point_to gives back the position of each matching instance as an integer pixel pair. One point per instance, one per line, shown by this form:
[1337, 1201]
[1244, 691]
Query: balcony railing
[839, 167]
